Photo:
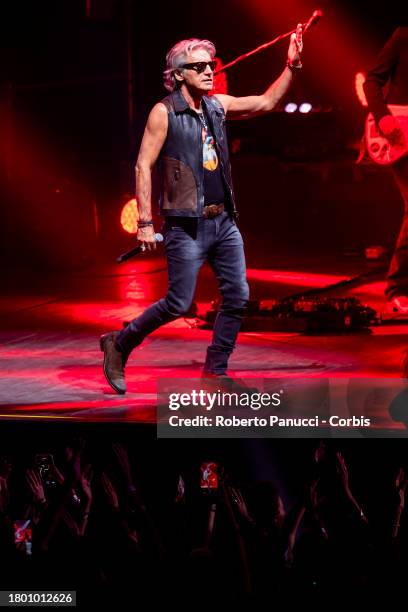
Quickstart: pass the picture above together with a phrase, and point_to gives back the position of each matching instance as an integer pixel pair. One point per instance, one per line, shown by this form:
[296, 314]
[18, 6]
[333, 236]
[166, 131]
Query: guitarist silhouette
[387, 84]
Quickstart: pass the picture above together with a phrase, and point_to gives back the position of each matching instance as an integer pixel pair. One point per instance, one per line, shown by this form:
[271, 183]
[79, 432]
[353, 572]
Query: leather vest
[180, 162]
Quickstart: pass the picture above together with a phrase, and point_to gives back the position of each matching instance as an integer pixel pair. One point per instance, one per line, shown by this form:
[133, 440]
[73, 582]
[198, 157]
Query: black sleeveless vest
[181, 158]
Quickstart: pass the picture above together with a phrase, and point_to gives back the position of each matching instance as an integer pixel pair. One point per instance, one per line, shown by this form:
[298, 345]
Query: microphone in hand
[317, 14]
[140, 248]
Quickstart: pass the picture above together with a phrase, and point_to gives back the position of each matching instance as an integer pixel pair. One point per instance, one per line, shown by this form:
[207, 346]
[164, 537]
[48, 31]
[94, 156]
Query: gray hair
[178, 54]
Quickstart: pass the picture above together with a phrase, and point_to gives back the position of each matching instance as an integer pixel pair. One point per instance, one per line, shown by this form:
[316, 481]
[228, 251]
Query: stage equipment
[380, 149]
[311, 315]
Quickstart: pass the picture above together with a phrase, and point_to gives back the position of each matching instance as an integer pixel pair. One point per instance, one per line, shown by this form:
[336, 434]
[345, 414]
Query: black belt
[213, 210]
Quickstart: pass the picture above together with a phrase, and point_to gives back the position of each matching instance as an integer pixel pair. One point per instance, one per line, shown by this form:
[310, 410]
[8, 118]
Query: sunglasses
[199, 67]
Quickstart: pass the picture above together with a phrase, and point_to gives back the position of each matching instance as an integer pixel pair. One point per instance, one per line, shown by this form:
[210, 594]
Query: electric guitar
[379, 148]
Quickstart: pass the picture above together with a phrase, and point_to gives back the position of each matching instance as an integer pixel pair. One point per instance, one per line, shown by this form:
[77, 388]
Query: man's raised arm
[251, 106]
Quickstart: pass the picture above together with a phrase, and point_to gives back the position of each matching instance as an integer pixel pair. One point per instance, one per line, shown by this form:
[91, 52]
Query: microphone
[140, 248]
[317, 14]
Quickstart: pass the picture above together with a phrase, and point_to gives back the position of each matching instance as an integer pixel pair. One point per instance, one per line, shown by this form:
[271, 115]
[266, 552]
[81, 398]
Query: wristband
[144, 223]
[294, 67]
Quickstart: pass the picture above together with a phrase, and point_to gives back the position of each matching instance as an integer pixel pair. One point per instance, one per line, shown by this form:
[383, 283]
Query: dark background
[68, 140]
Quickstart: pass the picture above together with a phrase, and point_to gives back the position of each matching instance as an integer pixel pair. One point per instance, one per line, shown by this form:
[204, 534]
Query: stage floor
[50, 326]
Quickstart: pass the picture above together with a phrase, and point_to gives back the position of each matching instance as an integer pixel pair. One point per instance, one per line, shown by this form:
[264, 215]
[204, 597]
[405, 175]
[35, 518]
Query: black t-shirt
[214, 192]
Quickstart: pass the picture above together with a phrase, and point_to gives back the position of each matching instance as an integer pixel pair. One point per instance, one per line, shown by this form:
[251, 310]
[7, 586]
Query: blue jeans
[189, 243]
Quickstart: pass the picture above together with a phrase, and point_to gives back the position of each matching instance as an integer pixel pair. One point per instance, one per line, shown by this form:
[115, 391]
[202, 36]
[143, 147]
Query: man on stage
[391, 72]
[185, 134]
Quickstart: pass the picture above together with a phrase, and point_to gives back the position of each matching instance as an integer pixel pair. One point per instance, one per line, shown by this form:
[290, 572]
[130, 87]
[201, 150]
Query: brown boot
[113, 363]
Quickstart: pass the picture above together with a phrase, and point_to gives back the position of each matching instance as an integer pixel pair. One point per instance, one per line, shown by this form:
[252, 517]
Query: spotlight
[291, 107]
[305, 107]
[129, 217]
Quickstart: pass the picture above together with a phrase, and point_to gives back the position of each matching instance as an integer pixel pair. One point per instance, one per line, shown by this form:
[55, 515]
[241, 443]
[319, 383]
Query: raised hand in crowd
[320, 452]
[180, 497]
[239, 503]
[36, 488]
[109, 490]
[55, 472]
[122, 458]
[343, 473]
[35, 485]
[400, 488]
[130, 531]
[4, 495]
[133, 497]
[86, 480]
[313, 506]
[5, 470]
[59, 508]
[227, 493]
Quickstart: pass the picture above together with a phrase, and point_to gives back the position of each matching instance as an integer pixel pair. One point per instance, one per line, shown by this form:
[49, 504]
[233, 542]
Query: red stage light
[220, 79]
[130, 216]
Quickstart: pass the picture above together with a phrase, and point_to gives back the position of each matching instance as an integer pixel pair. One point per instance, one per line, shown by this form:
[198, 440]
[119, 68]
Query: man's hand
[295, 46]
[146, 235]
[391, 129]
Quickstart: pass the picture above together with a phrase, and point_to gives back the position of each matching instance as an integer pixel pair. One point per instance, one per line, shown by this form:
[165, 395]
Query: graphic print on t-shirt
[214, 192]
[210, 159]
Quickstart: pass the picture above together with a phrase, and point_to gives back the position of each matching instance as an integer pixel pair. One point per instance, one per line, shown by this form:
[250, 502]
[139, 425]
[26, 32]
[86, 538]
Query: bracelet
[294, 67]
[145, 223]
